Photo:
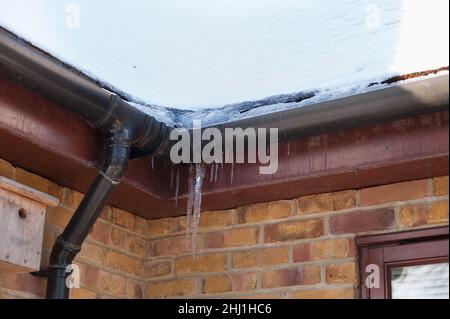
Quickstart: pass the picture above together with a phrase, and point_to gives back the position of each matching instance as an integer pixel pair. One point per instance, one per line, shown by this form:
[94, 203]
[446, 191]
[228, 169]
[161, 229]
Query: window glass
[420, 282]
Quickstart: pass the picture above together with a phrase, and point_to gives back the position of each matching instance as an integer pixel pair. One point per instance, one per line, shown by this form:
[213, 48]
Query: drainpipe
[68, 244]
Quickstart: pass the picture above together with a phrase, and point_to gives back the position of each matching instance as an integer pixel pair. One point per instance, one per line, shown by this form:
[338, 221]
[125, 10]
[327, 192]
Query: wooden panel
[21, 230]
[28, 192]
[415, 251]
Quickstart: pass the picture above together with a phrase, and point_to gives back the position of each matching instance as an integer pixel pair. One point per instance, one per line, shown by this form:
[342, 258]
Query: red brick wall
[299, 248]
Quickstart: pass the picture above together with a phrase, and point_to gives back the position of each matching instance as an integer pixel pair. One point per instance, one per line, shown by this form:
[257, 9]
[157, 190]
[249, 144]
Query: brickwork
[298, 248]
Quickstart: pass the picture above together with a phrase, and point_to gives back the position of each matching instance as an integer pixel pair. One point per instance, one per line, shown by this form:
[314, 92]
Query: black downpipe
[68, 244]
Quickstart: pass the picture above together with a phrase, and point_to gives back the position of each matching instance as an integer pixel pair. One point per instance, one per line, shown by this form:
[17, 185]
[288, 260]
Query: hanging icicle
[189, 203]
[232, 172]
[197, 204]
[177, 186]
[171, 178]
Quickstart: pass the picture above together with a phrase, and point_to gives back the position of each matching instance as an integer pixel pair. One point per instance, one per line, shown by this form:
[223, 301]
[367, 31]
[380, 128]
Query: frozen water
[194, 202]
[177, 186]
[199, 175]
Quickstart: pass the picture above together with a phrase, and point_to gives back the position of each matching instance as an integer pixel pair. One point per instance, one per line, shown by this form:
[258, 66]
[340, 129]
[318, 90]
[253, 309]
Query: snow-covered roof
[202, 55]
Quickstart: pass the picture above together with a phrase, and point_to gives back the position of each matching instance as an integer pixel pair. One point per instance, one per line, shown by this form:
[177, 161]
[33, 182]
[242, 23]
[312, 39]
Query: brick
[243, 281]
[118, 238]
[36, 182]
[71, 198]
[213, 219]
[49, 237]
[440, 186]
[394, 192]
[154, 269]
[100, 232]
[315, 204]
[324, 249]
[325, 294]
[293, 231]
[333, 248]
[105, 214]
[81, 293]
[127, 242]
[359, 222]
[6, 169]
[57, 216]
[31, 284]
[89, 276]
[122, 218]
[135, 245]
[302, 252]
[172, 246]
[264, 211]
[8, 295]
[123, 263]
[412, 216]
[341, 273]
[216, 219]
[308, 275]
[205, 263]
[103, 280]
[24, 282]
[232, 238]
[140, 225]
[172, 288]
[265, 296]
[162, 226]
[439, 212]
[216, 284]
[134, 289]
[344, 200]
[92, 252]
[260, 257]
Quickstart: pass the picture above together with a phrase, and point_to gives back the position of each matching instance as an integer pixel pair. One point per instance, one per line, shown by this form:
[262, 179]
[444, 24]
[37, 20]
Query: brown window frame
[406, 248]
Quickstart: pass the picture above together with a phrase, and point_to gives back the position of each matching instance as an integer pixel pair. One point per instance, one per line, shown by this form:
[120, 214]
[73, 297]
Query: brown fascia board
[37, 135]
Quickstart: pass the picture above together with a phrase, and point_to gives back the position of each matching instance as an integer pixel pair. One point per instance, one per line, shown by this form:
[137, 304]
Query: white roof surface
[201, 54]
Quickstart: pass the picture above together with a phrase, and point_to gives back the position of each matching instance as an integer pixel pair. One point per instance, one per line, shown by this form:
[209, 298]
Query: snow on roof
[202, 55]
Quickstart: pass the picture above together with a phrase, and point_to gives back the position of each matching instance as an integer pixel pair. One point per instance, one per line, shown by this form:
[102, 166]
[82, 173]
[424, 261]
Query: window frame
[406, 248]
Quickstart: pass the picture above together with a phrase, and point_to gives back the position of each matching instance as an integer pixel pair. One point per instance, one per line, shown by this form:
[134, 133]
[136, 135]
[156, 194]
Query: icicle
[171, 178]
[153, 162]
[197, 204]
[189, 204]
[232, 172]
[211, 174]
[177, 187]
[216, 172]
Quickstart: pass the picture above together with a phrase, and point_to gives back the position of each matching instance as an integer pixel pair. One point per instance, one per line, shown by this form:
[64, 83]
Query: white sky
[193, 54]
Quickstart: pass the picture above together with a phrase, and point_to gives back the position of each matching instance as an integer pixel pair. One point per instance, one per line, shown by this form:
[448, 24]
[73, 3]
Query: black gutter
[126, 129]
[386, 104]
